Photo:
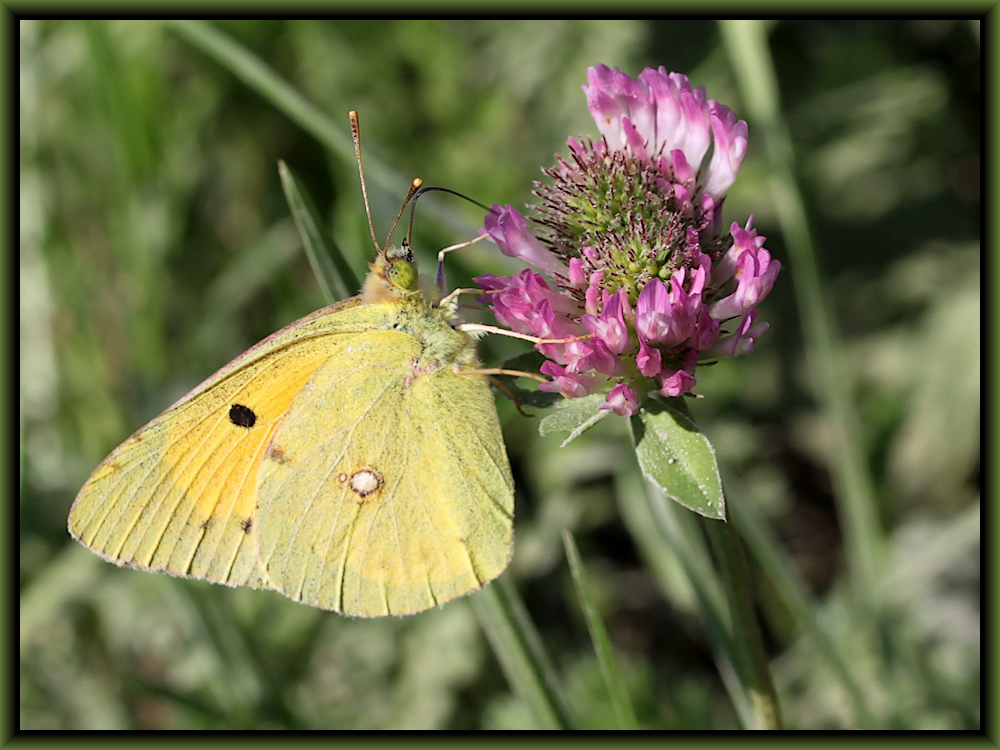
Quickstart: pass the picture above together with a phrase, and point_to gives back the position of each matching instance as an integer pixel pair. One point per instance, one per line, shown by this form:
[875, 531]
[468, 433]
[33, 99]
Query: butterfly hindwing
[406, 505]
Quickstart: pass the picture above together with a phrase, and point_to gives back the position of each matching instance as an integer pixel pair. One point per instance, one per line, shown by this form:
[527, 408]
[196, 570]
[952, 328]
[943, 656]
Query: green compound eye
[404, 275]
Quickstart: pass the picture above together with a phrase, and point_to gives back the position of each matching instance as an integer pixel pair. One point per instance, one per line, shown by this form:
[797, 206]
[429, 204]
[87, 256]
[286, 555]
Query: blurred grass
[617, 692]
[747, 46]
[156, 244]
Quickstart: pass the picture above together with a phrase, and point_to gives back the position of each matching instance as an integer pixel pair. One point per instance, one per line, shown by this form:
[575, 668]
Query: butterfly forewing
[179, 496]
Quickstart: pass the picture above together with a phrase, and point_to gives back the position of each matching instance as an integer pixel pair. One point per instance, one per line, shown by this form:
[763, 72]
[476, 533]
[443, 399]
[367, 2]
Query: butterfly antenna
[414, 188]
[409, 229]
[429, 189]
[356, 132]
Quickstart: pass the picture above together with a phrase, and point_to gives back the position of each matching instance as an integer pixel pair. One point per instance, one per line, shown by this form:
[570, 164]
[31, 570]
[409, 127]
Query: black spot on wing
[242, 416]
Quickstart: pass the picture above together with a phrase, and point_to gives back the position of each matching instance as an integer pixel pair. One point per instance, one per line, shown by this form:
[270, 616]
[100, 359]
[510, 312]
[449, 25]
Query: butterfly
[352, 461]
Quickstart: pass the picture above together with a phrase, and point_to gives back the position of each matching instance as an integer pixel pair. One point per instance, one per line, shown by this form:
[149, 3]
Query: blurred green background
[156, 245]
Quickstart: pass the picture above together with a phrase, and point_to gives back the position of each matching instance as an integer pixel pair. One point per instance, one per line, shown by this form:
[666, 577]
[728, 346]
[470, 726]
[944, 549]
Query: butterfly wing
[406, 505]
[179, 495]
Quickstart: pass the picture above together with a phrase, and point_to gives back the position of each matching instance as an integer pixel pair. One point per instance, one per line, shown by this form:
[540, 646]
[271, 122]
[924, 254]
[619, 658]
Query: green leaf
[620, 700]
[334, 274]
[536, 398]
[574, 415]
[530, 361]
[677, 457]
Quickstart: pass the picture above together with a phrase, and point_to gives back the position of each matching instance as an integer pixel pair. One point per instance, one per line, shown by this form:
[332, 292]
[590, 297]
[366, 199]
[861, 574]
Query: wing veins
[162, 492]
[235, 492]
[378, 510]
[500, 474]
[287, 478]
[189, 455]
[422, 504]
[371, 526]
[198, 393]
[294, 535]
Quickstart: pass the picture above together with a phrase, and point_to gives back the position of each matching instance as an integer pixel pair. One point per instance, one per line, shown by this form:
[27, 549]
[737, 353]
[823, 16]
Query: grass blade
[258, 76]
[793, 594]
[334, 274]
[519, 650]
[619, 696]
[746, 45]
[287, 99]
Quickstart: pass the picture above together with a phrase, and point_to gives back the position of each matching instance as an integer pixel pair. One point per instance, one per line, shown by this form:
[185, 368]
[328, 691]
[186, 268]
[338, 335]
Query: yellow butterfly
[350, 461]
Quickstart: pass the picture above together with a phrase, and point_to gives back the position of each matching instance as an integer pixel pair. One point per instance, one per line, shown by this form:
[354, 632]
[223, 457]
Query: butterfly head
[392, 275]
[401, 268]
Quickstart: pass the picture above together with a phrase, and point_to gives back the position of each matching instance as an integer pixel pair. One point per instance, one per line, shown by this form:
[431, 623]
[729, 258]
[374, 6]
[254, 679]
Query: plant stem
[746, 44]
[776, 566]
[519, 650]
[617, 692]
[746, 635]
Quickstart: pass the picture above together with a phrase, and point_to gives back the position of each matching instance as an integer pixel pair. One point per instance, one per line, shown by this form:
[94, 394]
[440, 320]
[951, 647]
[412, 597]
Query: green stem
[665, 530]
[617, 693]
[746, 635]
[519, 650]
[786, 583]
[746, 44]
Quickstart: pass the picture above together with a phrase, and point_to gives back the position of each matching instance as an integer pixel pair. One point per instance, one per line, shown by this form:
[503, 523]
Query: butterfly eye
[403, 274]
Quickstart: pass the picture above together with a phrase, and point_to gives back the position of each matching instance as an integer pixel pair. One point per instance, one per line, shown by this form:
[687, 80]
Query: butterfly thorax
[393, 282]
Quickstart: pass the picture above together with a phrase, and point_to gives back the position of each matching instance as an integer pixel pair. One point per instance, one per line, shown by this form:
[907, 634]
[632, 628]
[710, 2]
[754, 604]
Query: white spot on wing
[365, 482]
